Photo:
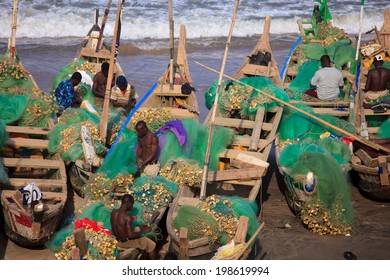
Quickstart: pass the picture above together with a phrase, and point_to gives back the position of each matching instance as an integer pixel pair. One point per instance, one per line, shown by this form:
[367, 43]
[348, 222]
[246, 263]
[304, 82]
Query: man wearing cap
[378, 82]
[124, 94]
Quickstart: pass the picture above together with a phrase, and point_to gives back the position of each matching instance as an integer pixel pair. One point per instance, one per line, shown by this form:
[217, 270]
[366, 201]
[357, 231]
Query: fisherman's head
[141, 128]
[325, 60]
[76, 78]
[378, 60]
[105, 67]
[121, 82]
[127, 201]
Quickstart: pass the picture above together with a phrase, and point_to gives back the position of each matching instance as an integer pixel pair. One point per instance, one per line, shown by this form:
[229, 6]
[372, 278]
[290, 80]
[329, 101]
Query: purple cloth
[177, 128]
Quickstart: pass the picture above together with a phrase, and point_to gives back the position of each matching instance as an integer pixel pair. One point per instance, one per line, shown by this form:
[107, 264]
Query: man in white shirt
[328, 81]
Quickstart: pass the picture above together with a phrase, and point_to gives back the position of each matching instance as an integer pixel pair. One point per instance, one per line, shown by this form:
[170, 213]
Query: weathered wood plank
[27, 130]
[236, 174]
[80, 240]
[21, 182]
[26, 142]
[230, 153]
[332, 111]
[254, 143]
[242, 230]
[239, 123]
[184, 243]
[383, 171]
[33, 163]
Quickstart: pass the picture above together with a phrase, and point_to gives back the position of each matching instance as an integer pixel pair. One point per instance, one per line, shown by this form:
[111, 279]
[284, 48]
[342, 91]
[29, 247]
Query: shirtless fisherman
[147, 160]
[121, 223]
[378, 82]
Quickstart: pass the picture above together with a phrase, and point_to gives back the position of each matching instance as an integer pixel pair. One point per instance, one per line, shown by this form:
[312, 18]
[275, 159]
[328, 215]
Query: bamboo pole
[103, 122]
[13, 30]
[360, 30]
[355, 137]
[171, 45]
[104, 20]
[212, 121]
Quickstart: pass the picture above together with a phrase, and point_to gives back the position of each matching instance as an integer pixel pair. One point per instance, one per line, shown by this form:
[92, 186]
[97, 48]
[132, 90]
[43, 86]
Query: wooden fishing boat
[168, 93]
[245, 167]
[371, 165]
[26, 225]
[315, 31]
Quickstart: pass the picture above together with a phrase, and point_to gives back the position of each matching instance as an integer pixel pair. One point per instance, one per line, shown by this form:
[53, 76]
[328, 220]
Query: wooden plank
[165, 90]
[240, 164]
[255, 190]
[35, 230]
[33, 163]
[366, 159]
[249, 183]
[45, 195]
[242, 230]
[198, 242]
[80, 240]
[236, 174]
[92, 53]
[369, 112]
[252, 160]
[333, 104]
[21, 182]
[254, 143]
[383, 171]
[332, 111]
[230, 153]
[75, 253]
[258, 70]
[182, 113]
[27, 130]
[28, 142]
[183, 243]
[239, 123]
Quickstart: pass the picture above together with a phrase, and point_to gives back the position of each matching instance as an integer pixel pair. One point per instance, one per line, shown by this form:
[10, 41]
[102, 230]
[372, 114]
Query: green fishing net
[343, 54]
[331, 202]
[243, 98]
[183, 171]
[12, 108]
[384, 130]
[217, 218]
[301, 82]
[13, 77]
[313, 51]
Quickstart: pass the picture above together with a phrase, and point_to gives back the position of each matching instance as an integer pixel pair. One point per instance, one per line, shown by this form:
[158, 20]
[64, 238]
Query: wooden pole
[103, 122]
[360, 30]
[13, 30]
[346, 133]
[171, 45]
[212, 121]
[104, 20]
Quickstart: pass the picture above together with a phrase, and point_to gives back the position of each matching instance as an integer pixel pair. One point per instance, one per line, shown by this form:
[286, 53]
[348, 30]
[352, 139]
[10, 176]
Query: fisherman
[121, 223]
[65, 92]
[100, 83]
[328, 81]
[378, 82]
[124, 95]
[147, 148]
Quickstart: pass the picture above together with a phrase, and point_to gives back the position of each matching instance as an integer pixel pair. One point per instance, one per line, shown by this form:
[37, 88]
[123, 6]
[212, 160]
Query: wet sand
[369, 241]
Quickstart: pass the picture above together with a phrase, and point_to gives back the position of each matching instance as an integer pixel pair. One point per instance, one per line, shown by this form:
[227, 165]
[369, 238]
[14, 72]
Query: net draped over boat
[243, 99]
[217, 218]
[21, 102]
[384, 130]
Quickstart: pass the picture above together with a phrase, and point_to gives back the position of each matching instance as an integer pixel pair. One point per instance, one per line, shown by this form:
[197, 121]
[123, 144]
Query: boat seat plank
[21, 182]
[239, 123]
[230, 153]
[27, 130]
[33, 163]
[182, 113]
[26, 142]
[165, 90]
[369, 112]
[332, 111]
[334, 104]
[258, 70]
[92, 53]
[236, 174]
[255, 138]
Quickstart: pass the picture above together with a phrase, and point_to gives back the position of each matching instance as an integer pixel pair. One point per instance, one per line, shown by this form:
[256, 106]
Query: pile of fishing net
[101, 187]
[296, 125]
[122, 155]
[243, 98]
[183, 171]
[217, 218]
[153, 117]
[40, 108]
[328, 208]
[65, 138]
[3, 137]
[13, 77]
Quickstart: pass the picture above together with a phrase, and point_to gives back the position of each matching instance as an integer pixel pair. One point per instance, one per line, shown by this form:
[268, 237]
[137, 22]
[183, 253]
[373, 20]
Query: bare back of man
[378, 79]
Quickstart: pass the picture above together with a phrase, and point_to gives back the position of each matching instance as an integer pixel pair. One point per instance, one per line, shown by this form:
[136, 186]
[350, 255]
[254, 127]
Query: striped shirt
[124, 96]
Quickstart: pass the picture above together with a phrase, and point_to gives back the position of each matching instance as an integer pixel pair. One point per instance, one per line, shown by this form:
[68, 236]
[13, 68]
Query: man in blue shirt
[65, 93]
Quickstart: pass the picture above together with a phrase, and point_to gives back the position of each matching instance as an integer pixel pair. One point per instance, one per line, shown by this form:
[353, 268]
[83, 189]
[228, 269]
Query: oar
[212, 121]
[104, 20]
[103, 122]
[357, 138]
[171, 45]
